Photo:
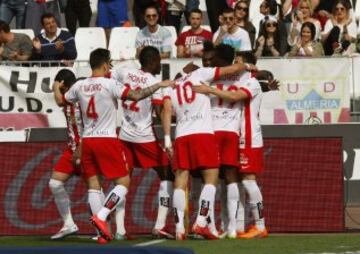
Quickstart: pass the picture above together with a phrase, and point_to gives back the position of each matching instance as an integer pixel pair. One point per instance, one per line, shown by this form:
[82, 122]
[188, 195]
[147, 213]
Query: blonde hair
[308, 2]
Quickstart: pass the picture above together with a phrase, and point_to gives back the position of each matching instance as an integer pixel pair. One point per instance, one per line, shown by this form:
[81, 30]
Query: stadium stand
[174, 37]
[28, 32]
[122, 42]
[186, 28]
[87, 39]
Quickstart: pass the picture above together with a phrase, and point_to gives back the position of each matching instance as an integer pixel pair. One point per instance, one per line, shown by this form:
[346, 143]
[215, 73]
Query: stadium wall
[303, 184]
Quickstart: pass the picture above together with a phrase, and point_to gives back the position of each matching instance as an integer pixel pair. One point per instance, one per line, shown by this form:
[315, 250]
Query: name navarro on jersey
[92, 88]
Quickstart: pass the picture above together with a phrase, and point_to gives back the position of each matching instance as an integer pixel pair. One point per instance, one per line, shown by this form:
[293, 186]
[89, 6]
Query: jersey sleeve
[71, 96]
[204, 75]
[118, 90]
[119, 74]
[251, 88]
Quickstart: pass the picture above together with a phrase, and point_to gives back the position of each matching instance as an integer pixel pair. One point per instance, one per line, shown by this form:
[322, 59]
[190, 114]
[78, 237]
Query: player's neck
[98, 73]
[146, 70]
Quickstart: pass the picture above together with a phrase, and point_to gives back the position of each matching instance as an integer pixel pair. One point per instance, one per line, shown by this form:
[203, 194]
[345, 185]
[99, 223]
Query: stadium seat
[174, 37]
[28, 32]
[87, 39]
[122, 42]
[186, 28]
[202, 6]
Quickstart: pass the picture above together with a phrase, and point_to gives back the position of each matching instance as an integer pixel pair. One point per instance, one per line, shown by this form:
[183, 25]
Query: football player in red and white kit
[102, 153]
[226, 123]
[195, 144]
[68, 163]
[251, 147]
[143, 150]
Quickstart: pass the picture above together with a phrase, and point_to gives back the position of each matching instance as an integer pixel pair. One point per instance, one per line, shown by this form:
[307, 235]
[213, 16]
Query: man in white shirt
[102, 152]
[153, 34]
[231, 34]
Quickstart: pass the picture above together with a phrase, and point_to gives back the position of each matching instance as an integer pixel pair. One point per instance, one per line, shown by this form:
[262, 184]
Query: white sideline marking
[151, 242]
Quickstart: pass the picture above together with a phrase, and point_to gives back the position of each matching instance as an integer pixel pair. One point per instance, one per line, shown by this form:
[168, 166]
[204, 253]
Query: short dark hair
[67, 76]
[196, 10]
[228, 10]
[247, 56]
[147, 55]
[312, 28]
[47, 16]
[98, 57]
[208, 46]
[4, 26]
[225, 52]
[152, 6]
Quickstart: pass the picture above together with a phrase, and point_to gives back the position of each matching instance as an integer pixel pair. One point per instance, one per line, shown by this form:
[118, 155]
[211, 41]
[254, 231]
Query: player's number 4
[91, 110]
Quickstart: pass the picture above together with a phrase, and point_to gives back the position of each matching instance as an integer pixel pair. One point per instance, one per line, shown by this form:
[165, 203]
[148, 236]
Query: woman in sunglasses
[340, 31]
[299, 16]
[270, 43]
[307, 45]
[242, 19]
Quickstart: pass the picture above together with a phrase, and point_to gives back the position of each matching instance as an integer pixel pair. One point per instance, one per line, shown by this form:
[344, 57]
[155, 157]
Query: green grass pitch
[275, 243]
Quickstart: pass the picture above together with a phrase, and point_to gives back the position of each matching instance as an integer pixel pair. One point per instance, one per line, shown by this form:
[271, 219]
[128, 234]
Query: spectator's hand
[190, 67]
[334, 21]
[59, 45]
[261, 41]
[323, 13]
[298, 43]
[224, 29]
[347, 37]
[300, 16]
[270, 42]
[294, 20]
[37, 44]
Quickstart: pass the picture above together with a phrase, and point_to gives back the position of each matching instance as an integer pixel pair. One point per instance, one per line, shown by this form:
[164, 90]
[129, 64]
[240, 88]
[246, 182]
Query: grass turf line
[279, 244]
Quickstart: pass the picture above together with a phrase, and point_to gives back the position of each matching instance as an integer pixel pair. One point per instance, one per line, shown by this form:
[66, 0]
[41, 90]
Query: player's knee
[55, 185]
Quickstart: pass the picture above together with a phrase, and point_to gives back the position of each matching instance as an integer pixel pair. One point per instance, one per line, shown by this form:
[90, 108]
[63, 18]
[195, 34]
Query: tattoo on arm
[143, 93]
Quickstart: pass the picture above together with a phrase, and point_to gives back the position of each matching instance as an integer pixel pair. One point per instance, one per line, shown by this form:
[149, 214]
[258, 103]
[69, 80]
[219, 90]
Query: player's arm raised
[136, 95]
[58, 95]
[235, 68]
[231, 96]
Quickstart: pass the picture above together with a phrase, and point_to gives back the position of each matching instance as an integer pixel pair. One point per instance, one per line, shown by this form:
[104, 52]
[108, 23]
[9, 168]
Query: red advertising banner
[302, 188]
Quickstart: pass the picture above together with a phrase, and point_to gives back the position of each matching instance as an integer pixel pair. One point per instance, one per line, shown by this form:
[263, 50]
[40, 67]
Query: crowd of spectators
[285, 27]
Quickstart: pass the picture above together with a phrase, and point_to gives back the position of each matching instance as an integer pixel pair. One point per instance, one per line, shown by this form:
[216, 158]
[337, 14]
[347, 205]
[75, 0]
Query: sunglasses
[242, 8]
[228, 18]
[340, 9]
[271, 24]
[151, 15]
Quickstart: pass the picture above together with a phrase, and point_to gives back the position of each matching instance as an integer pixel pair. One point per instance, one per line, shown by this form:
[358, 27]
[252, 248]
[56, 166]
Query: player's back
[193, 110]
[226, 115]
[250, 130]
[98, 105]
[137, 116]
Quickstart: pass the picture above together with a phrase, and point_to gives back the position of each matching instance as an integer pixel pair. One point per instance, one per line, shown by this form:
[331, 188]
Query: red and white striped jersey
[226, 115]
[193, 110]
[97, 97]
[75, 125]
[137, 116]
[250, 129]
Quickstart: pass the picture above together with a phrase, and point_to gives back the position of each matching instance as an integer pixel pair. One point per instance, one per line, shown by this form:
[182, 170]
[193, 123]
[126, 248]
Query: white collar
[43, 34]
